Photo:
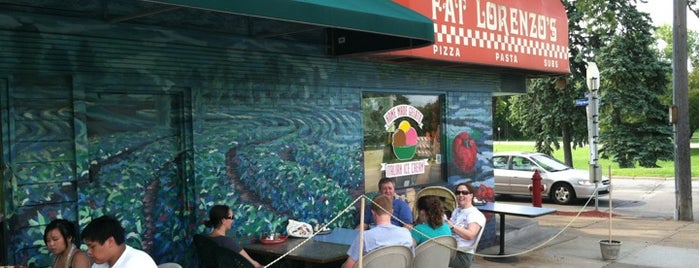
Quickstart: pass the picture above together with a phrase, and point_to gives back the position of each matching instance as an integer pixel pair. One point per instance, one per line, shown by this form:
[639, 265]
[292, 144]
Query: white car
[563, 184]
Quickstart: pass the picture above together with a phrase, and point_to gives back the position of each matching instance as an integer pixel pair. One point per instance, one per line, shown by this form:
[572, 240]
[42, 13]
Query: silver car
[563, 184]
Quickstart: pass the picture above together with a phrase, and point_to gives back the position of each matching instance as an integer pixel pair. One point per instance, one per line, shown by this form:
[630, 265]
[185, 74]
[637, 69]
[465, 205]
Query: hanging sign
[531, 34]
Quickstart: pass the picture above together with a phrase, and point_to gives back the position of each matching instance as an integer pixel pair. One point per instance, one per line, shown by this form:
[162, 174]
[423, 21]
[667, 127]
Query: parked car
[563, 184]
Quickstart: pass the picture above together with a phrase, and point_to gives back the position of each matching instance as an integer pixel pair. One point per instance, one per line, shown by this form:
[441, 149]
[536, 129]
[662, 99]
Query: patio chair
[435, 253]
[388, 257]
[447, 196]
[211, 255]
[169, 265]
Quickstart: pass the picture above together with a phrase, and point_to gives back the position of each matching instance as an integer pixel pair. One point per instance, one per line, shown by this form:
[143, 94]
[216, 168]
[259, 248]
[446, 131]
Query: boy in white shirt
[105, 239]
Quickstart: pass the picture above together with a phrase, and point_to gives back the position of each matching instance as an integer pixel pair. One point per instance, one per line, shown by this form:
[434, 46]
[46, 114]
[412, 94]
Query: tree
[693, 109]
[664, 34]
[633, 123]
[633, 120]
[547, 112]
[502, 126]
[693, 6]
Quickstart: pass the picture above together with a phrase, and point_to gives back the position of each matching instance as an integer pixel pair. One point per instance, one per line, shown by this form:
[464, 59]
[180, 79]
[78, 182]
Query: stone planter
[610, 250]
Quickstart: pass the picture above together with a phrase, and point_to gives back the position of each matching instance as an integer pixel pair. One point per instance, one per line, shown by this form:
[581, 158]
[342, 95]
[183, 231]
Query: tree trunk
[567, 140]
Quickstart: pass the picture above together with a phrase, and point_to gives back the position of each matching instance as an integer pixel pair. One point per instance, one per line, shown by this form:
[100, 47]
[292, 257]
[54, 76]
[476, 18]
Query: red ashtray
[277, 240]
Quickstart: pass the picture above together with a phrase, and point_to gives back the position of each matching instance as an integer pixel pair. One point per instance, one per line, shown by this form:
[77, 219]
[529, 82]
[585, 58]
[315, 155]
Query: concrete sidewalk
[645, 242]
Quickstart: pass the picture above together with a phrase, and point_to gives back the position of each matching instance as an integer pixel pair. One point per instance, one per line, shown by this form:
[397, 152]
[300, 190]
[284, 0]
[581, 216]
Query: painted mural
[158, 144]
[270, 164]
[470, 148]
[470, 141]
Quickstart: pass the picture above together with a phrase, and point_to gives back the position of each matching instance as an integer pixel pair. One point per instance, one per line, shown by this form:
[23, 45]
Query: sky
[661, 11]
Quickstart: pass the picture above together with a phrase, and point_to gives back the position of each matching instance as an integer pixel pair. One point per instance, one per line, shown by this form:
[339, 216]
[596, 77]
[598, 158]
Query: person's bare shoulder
[81, 260]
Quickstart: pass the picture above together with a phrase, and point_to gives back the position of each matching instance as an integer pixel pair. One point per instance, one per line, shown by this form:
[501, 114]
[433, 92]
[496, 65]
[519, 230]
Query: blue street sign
[581, 102]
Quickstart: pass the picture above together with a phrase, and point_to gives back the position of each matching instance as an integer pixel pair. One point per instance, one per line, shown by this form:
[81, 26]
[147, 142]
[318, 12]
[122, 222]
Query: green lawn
[581, 157]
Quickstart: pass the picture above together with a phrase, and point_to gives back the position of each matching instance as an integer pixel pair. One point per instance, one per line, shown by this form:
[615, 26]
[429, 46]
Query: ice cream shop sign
[404, 141]
[527, 34]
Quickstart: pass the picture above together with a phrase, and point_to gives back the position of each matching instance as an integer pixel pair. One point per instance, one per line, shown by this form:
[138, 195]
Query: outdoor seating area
[330, 249]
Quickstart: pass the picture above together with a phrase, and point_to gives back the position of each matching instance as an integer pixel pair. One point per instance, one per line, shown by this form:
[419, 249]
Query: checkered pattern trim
[511, 44]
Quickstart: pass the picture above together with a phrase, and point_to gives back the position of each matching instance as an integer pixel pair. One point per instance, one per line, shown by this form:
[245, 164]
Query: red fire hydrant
[537, 188]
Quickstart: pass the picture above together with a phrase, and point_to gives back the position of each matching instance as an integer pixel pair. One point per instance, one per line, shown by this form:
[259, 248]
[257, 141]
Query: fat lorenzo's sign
[524, 34]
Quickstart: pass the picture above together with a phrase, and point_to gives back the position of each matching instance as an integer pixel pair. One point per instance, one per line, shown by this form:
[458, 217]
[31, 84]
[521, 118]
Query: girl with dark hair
[221, 220]
[431, 215]
[61, 238]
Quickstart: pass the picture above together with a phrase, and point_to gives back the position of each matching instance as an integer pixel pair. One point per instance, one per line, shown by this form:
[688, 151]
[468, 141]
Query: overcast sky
[661, 11]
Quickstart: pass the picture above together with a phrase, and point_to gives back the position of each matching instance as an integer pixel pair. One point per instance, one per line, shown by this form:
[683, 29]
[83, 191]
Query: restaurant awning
[353, 26]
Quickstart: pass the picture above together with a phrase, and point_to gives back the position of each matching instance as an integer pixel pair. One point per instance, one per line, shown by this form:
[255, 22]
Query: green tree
[633, 125]
[664, 35]
[633, 119]
[547, 112]
[502, 127]
[693, 109]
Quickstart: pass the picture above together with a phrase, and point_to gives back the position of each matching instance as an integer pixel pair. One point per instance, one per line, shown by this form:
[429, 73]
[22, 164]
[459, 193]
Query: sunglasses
[462, 192]
[228, 217]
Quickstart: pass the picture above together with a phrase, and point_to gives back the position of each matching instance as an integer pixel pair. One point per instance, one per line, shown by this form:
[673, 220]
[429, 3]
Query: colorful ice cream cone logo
[404, 141]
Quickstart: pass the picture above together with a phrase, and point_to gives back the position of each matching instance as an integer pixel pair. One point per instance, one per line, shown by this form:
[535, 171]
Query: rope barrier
[548, 240]
[347, 209]
[318, 231]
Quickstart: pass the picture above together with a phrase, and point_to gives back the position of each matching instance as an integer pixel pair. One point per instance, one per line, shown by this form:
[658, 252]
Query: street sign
[581, 102]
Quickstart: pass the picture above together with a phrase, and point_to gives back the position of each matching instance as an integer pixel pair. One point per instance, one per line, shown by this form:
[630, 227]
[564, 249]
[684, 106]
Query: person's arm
[81, 260]
[469, 232]
[404, 213]
[349, 263]
[250, 259]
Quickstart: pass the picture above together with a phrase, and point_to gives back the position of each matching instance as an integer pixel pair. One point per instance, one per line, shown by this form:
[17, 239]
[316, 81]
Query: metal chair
[435, 253]
[169, 265]
[447, 196]
[388, 257]
[211, 255]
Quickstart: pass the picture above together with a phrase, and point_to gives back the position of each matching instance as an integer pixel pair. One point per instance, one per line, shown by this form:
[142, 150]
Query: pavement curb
[646, 243]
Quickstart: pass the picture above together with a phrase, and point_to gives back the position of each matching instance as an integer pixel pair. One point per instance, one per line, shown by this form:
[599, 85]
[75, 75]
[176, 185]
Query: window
[500, 162]
[402, 139]
[521, 163]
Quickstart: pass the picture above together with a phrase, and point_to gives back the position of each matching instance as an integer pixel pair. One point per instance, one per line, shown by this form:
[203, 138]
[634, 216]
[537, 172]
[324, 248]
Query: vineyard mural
[148, 126]
[270, 164]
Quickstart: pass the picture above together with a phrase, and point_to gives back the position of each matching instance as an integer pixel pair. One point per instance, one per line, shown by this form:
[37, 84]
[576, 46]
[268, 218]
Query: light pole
[593, 81]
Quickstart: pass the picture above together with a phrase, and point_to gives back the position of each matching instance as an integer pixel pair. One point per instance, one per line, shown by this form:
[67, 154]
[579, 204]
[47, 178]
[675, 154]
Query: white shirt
[464, 217]
[131, 258]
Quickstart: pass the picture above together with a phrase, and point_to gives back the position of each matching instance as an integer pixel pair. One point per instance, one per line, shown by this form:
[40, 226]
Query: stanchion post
[361, 231]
